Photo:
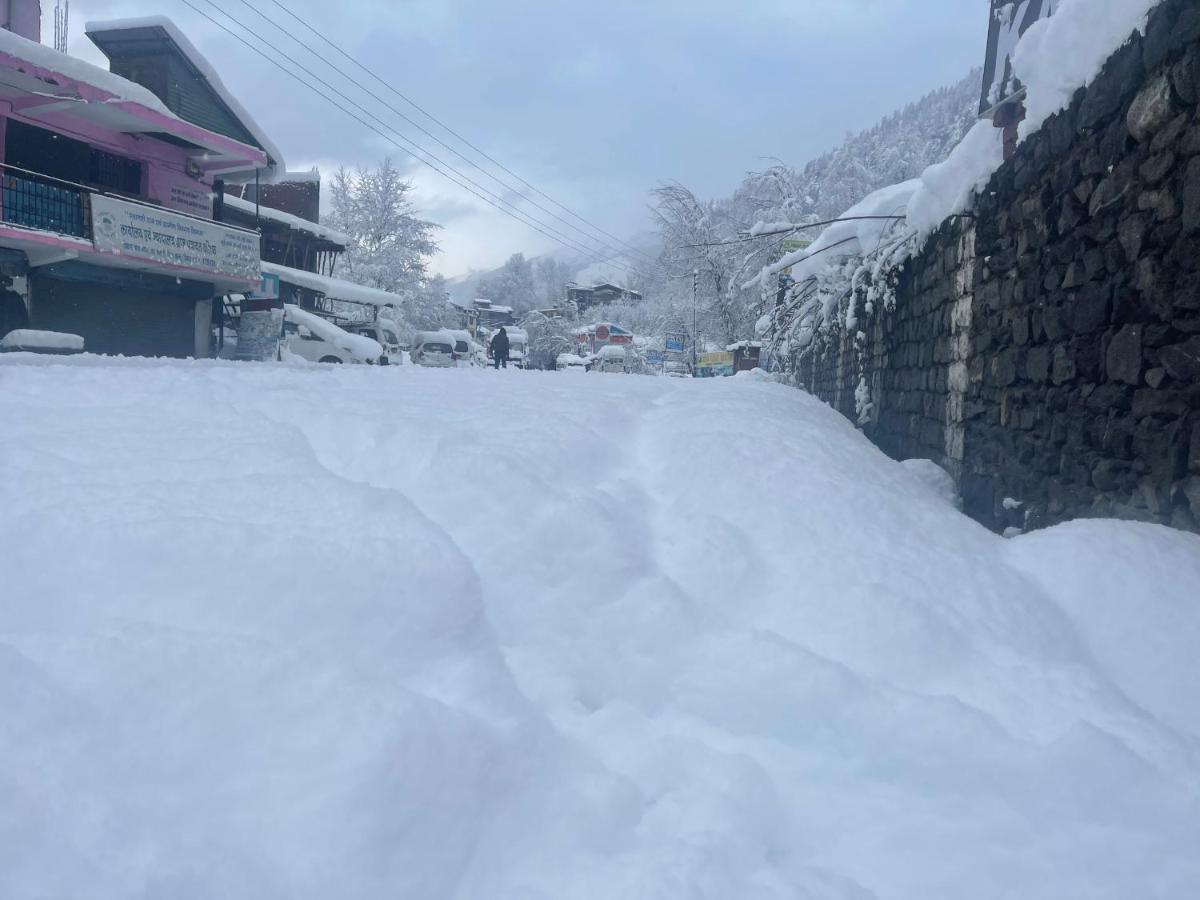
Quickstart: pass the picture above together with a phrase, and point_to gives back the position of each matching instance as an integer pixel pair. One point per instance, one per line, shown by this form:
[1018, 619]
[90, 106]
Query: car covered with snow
[467, 350]
[384, 333]
[434, 349]
[618, 358]
[518, 345]
[570, 362]
[318, 340]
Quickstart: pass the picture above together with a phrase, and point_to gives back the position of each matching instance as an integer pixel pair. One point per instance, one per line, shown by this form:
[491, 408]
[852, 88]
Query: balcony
[45, 204]
[121, 232]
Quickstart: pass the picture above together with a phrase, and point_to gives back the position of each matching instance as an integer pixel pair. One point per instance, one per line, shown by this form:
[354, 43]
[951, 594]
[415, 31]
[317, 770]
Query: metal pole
[695, 336]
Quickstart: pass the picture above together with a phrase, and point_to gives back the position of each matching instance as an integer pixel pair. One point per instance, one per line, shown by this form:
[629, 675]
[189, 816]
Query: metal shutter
[114, 319]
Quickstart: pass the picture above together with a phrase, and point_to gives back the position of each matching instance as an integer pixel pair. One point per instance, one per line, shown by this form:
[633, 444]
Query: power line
[792, 229]
[503, 184]
[418, 152]
[626, 245]
[758, 278]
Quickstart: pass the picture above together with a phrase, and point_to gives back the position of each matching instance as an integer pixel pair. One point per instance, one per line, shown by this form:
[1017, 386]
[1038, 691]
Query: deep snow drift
[273, 632]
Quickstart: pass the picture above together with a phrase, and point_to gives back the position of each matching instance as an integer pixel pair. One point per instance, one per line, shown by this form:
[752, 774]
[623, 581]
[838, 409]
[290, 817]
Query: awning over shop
[333, 288]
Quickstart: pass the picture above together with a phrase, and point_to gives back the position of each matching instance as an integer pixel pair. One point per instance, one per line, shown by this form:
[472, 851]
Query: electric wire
[429, 159]
[458, 136]
[358, 84]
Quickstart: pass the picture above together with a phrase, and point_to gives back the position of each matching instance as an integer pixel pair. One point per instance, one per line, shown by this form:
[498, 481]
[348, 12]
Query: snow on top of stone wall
[1065, 52]
[1053, 59]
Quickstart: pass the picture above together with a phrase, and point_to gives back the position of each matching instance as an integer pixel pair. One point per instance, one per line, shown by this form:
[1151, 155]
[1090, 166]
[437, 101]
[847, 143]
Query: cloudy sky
[592, 102]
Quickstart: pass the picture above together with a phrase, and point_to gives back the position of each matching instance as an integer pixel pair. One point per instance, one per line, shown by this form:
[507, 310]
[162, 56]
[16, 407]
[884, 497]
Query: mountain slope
[899, 147]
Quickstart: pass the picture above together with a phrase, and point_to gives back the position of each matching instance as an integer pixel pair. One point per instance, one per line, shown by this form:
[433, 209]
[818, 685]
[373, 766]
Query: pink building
[106, 208]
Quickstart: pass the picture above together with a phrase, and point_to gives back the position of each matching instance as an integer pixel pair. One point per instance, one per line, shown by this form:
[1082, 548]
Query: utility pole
[695, 336]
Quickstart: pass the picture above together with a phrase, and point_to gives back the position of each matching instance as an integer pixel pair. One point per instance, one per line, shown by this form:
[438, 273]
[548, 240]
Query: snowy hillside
[274, 632]
[900, 147]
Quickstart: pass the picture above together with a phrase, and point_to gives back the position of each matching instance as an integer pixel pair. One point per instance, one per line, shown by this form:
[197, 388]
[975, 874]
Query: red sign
[602, 333]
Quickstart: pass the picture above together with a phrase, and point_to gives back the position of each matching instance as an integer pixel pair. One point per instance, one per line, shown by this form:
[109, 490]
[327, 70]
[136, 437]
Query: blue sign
[654, 357]
[268, 288]
[675, 343]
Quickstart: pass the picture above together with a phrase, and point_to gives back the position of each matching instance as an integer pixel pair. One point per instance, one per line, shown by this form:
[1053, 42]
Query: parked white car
[569, 362]
[467, 351]
[612, 358]
[318, 340]
[434, 349]
[518, 345]
[383, 333]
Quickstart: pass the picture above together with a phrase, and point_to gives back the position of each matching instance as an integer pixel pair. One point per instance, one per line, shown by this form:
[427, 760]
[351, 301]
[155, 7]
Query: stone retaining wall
[1047, 354]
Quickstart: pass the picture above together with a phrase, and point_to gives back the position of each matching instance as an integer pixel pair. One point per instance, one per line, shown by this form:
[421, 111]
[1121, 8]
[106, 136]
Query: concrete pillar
[203, 342]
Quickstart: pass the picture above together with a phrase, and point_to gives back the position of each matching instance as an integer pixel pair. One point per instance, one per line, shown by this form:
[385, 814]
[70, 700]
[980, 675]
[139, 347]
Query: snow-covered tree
[550, 277]
[707, 238]
[428, 307]
[390, 245]
[548, 337]
[511, 285]
[718, 237]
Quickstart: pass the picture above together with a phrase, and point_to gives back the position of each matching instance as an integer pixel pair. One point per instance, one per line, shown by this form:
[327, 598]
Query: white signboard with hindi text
[161, 236]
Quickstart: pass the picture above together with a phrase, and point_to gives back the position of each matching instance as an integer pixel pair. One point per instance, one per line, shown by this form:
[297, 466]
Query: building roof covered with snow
[333, 288]
[296, 223]
[602, 293]
[72, 90]
[153, 52]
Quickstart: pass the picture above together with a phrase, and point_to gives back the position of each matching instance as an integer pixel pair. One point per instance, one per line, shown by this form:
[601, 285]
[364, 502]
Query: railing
[33, 200]
[47, 204]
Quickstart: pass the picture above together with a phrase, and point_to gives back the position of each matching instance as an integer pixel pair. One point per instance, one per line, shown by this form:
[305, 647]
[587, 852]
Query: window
[58, 156]
[116, 173]
[38, 150]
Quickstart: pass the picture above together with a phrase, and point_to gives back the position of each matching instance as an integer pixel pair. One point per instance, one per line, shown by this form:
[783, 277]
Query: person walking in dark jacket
[500, 349]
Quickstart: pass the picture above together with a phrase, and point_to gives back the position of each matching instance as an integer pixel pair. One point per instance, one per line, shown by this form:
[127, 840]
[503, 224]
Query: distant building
[603, 294]
[483, 315]
[590, 338]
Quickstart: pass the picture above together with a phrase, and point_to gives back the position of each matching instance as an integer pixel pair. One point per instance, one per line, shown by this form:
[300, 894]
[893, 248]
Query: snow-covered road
[273, 632]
